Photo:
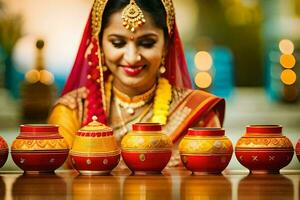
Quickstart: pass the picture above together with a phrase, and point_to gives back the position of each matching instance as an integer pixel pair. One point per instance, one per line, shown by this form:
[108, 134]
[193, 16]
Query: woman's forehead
[115, 25]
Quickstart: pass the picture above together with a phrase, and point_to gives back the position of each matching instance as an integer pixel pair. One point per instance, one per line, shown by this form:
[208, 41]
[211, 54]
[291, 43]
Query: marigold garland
[162, 101]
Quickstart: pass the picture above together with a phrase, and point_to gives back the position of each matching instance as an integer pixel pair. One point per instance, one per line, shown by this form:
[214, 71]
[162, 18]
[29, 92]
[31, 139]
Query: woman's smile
[133, 70]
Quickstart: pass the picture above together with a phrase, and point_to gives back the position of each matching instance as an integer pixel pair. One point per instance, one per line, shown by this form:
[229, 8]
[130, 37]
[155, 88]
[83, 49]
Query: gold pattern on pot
[144, 141]
[205, 145]
[95, 138]
[51, 144]
[260, 142]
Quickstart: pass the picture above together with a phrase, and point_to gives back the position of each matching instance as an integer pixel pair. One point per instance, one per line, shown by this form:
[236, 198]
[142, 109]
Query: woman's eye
[118, 43]
[147, 43]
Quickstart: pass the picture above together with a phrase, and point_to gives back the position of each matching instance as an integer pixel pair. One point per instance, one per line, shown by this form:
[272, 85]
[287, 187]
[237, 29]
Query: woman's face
[133, 58]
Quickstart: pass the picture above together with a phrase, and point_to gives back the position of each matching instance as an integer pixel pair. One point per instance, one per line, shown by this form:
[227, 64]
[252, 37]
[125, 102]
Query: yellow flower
[162, 99]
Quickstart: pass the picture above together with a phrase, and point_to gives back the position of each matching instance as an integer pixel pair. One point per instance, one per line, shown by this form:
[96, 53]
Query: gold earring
[104, 68]
[162, 68]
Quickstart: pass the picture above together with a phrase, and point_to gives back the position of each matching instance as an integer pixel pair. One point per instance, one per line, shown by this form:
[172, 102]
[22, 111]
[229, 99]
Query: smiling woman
[133, 58]
[130, 68]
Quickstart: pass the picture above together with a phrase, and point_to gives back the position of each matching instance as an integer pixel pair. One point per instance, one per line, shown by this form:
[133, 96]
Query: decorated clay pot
[95, 150]
[205, 150]
[3, 152]
[263, 149]
[39, 148]
[146, 149]
[297, 149]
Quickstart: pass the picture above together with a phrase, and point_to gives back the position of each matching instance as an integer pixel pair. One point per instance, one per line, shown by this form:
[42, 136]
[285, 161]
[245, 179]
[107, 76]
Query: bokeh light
[287, 61]
[286, 46]
[46, 77]
[203, 80]
[203, 60]
[32, 76]
[288, 77]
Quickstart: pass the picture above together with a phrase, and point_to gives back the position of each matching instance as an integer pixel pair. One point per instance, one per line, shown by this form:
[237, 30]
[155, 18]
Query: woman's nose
[132, 55]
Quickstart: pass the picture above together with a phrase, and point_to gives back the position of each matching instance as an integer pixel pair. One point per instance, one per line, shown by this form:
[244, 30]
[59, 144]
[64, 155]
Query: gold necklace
[161, 105]
[124, 125]
[130, 104]
[124, 129]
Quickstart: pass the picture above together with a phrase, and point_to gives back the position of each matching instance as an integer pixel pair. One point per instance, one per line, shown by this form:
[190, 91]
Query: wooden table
[176, 183]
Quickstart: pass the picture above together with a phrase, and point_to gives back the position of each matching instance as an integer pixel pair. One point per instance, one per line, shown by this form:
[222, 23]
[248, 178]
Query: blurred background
[246, 51]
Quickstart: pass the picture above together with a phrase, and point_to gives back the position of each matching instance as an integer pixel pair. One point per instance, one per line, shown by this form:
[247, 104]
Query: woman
[130, 68]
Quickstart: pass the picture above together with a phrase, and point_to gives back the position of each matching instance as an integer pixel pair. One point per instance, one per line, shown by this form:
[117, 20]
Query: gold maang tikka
[132, 16]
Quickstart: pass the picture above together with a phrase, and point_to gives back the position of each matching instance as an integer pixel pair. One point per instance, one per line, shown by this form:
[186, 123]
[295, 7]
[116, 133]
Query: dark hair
[154, 7]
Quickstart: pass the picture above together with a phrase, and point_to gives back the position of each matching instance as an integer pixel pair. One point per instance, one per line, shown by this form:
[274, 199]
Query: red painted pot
[146, 149]
[205, 150]
[263, 149]
[39, 148]
[297, 149]
[95, 150]
[3, 151]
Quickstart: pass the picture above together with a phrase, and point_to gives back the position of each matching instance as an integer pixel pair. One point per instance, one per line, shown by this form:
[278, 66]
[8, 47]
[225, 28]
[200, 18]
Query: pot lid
[96, 126]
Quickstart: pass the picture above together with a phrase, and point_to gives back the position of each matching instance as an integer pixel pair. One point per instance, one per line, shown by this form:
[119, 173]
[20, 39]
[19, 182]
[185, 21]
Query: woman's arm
[67, 121]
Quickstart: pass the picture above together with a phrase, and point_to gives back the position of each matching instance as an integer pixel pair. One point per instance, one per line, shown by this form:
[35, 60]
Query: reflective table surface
[175, 183]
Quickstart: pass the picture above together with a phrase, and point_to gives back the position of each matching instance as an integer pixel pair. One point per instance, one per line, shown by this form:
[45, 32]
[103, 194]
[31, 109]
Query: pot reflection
[266, 187]
[96, 187]
[2, 188]
[39, 186]
[148, 187]
[205, 187]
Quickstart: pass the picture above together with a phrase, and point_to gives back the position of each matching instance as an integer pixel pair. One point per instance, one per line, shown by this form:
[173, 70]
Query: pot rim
[200, 131]
[38, 128]
[147, 127]
[264, 128]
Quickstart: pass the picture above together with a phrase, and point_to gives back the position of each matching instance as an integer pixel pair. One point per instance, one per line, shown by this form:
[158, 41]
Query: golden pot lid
[96, 127]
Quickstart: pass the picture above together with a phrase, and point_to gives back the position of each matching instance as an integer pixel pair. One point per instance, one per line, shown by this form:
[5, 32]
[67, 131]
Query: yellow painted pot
[146, 149]
[95, 149]
[205, 150]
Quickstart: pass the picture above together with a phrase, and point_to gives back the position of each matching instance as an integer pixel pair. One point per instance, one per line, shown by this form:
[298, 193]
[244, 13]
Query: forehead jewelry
[132, 16]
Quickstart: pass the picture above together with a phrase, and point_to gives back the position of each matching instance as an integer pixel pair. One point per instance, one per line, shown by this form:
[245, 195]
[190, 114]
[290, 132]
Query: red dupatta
[87, 70]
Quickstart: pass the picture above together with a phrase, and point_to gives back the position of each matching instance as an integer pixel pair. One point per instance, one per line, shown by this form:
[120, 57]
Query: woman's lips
[132, 71]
